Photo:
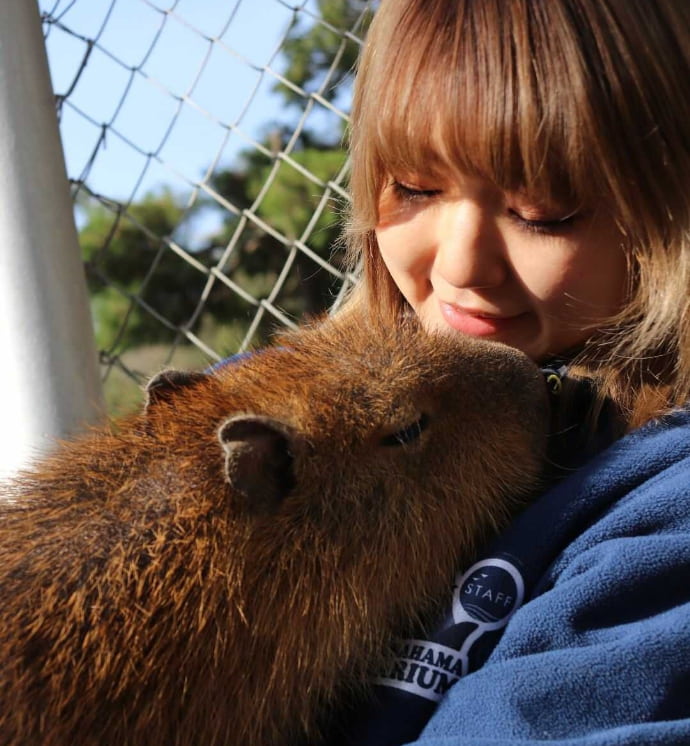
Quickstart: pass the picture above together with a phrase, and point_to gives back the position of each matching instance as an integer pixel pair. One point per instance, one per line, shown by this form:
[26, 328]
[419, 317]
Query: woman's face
[471, 258]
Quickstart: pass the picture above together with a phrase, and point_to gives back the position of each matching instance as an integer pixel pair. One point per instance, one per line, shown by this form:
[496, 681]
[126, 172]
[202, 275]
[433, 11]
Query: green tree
[315, 52]
[311, 53]
[142, 290]
[139, 286]
[287, 207]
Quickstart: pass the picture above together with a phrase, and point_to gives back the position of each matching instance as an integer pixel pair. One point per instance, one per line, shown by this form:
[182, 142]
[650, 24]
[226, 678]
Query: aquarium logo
[488, 594]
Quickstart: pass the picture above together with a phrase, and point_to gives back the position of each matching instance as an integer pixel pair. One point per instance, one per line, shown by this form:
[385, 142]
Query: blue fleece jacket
[575, 626]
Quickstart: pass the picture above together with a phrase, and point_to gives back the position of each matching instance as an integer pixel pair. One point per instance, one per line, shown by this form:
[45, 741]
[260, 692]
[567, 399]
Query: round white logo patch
[488, 594]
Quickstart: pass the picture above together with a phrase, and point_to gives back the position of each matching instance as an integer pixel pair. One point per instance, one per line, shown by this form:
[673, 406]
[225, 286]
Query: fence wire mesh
[204, 147]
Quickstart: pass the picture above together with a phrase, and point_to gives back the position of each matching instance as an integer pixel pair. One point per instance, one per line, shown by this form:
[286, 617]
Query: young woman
[521, 172]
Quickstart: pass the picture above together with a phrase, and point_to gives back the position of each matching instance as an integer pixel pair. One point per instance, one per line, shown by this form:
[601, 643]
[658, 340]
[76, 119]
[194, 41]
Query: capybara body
[233, 562]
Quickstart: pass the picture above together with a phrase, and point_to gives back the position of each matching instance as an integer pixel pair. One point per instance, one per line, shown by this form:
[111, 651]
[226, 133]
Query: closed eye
[407, 193]
[407, 434]
[552, 227]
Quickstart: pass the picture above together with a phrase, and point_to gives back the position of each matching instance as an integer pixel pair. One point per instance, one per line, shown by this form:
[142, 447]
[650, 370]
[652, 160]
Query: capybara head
[236, 560]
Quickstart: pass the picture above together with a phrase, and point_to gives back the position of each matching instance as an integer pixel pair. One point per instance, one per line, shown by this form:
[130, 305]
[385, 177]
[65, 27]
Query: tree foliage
[288, 207]
[142, 289]
[134, 277]
[325, 47]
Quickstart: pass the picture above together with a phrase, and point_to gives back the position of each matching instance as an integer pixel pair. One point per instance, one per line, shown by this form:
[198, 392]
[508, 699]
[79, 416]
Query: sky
[139, 109]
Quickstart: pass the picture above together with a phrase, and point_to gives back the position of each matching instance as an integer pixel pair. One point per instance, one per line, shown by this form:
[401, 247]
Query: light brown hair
[587, 100]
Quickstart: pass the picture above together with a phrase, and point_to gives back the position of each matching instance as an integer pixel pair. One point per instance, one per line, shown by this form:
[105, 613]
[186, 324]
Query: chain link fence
[204, 147]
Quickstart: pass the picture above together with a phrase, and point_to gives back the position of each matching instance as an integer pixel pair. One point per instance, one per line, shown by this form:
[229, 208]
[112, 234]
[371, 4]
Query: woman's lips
[475, 323]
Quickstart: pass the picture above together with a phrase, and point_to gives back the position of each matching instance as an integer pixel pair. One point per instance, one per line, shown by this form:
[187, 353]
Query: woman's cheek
[388, 210]
[406, 249]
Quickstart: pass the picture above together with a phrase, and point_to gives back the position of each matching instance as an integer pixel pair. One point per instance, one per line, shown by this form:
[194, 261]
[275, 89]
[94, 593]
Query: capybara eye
[407, 434]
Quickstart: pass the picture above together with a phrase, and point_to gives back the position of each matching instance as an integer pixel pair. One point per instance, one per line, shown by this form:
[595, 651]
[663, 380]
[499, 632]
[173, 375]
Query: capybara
[235, 561]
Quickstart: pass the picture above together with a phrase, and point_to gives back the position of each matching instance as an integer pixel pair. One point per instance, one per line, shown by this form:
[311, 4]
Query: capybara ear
[165, 385]
[258, 460]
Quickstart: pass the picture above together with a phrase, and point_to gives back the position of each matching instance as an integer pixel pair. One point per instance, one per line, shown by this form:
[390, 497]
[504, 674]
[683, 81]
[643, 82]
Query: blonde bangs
[451, 102]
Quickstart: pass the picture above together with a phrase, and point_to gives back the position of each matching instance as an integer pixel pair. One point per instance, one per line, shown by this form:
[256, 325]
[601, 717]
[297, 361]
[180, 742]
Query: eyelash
[545, 227]
[410, 194]
[542, 227]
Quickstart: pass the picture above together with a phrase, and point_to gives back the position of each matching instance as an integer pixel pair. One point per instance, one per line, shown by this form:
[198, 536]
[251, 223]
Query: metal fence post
[49, 383]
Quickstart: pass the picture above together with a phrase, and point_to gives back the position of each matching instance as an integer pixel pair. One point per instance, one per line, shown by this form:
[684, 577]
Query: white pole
[49, 384]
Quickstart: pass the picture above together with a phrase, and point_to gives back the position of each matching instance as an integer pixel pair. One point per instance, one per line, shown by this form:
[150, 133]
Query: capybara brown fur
[236, 560]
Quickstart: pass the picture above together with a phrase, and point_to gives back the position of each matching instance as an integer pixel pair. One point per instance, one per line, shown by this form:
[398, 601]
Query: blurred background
[204, 148]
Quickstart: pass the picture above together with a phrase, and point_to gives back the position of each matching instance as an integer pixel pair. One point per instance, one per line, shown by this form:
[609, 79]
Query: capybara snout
[234, 562]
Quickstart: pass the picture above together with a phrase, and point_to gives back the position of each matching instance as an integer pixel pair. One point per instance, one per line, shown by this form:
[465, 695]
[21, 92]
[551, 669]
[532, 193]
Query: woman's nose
[470, 251]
